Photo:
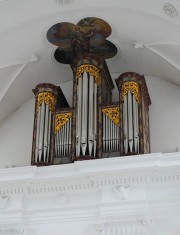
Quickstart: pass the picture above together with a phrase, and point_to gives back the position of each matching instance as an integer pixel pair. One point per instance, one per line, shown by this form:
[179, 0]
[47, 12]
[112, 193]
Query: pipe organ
[94, 127]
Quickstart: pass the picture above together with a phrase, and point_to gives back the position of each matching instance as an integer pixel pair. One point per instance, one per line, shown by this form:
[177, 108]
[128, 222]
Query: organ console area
[94, 127]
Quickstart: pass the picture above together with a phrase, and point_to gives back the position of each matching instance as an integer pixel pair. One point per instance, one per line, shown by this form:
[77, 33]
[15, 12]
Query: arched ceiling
[148, 42]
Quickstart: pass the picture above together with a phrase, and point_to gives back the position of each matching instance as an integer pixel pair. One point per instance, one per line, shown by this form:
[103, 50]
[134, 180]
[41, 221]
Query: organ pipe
[63, 134]
[44, 110]
[111, 124]
[86, 120]
[87, 80]
[43, 148]
[134, 103]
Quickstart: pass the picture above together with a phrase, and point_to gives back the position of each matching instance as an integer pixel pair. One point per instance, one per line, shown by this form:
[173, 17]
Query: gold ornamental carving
[133, 87]
[61, 119]
[113, 114]
[48, 99]
[91, 69]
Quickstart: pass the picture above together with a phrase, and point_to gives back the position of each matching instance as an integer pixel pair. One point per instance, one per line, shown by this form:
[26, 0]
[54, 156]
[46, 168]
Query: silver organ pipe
[40, 147]
[134, 103]
[131, 132]
[84, 130]
[111, 129]
[62, 140]
[130, 121]
[69, 139]
[104, 132]
[46, 127]
[91, 115]
[63, 134]
[107, 133]
[44, 113]
[78, 119]
[136, 125]
[37, 136]
[86, 121]
[125, 125]
[95, 116]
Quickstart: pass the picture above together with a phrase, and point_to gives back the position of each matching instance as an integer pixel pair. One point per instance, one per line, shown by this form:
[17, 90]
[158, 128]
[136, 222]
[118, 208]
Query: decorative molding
[4, 201]
[61, 119]
[93, 181]
[170, 10]
[124, 227]
[116, 173]
[131, 86]
[121, 192]
[64, 2]
[113, 114]
[91, 69]
[48, 99]
[13, 231]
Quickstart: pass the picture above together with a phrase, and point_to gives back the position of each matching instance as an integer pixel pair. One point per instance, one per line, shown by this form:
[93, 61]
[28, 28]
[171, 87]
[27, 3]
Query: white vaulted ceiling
[148, 42]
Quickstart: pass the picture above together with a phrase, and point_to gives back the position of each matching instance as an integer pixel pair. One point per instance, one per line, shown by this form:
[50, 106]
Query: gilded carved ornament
[113, 114]
[48, 99]
[133, 87]
[91, 69]
[61, 119]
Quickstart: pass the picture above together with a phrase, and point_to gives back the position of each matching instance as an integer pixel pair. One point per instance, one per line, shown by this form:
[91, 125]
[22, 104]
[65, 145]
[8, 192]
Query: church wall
[123, 195]
[16, 136]
[16, 130]
[164, 115]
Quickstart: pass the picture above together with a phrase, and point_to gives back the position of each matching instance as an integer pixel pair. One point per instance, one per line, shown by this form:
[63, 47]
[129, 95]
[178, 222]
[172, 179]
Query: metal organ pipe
[136, 125]
[63, 135]
[85, 104]
[86, 122]
[95, 115]
[134, 103]
[110, 129]
[38, 135]
[78, 119]
[130, 134]
[44, 114]
[41, 132]
[90, 117]
[130, 121]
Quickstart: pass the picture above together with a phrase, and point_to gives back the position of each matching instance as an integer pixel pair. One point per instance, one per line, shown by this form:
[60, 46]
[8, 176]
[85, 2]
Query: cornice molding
[13, 229]
[117, 173]
[125, 227]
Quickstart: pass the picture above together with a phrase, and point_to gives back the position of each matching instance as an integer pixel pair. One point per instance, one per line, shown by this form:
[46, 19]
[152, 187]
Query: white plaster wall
[16, 130]
[16, 137]
[164, 115]
[112, 196]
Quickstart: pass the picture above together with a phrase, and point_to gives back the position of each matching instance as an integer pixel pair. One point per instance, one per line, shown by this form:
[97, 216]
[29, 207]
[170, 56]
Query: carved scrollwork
[47, 98]
[121, 192]
[133, 87]
[91, 69]
[61, 119]
[113, 114]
